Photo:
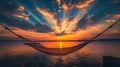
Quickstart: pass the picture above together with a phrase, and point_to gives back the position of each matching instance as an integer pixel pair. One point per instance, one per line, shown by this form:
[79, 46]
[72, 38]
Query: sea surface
[16, 54]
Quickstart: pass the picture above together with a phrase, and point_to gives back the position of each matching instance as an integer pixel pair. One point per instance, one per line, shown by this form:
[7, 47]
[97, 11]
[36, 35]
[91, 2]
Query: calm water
[90, 55]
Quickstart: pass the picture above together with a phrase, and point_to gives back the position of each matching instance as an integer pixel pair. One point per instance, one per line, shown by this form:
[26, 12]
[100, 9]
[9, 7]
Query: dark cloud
[99, 11]
[12, 8]
[23, 24]
[13, 14]
[89, 20]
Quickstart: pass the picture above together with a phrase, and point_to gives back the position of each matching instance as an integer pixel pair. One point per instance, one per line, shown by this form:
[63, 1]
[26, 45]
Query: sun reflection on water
[60, 43]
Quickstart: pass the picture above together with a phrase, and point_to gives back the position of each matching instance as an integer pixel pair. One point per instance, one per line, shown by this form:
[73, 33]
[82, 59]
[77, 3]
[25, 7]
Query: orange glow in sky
[87, 33]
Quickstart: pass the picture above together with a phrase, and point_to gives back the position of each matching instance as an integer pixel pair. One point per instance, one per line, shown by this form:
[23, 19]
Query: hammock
[59, 51]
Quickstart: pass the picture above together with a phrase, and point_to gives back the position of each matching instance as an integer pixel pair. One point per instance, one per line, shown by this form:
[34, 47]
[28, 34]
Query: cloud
[45, 12]
[112, 17]
[83, 4]
[14, 16]
[116, 16]
[58, 1]
[110, 21]
[67, 7]
[12, 8]
[51, 18]
[55, 23]
[19, 12]
[115, 31]
[89, 20]
[76, 4]
[16, 22]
